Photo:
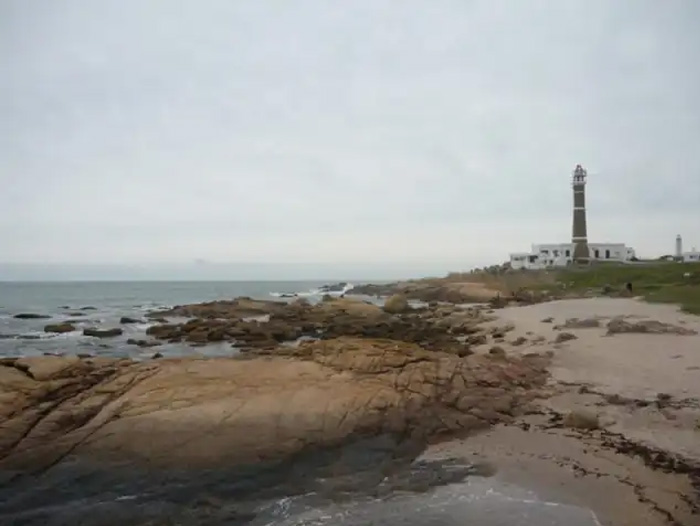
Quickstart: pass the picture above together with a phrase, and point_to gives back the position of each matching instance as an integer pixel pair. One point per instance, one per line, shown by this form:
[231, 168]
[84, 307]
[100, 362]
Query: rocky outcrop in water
[442, 328]
[31, 316]
[60, 328]
[103, 333]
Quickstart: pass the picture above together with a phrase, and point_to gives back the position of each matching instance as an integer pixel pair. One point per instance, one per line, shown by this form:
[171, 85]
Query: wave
[336, 290]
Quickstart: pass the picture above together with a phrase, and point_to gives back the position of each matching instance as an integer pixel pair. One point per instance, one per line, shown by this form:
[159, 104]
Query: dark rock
[548, 320]
[336, 287]
[125, 320]
[519, 341]
[83, 355]
[142, 343]
[565, 337]
[59, 328]
[156, 356]
[165, 331]
[89, 307]
[477, 339]
[103, 333]
[31, 316]
[497, 351]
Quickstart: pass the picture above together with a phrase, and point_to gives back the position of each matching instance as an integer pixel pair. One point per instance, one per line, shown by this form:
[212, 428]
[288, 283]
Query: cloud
[440, 132]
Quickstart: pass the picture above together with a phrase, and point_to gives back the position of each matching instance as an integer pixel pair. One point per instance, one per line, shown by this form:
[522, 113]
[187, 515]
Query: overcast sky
[437, 134]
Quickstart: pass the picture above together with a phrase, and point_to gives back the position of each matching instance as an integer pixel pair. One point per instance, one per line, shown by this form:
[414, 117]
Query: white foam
[314, 292]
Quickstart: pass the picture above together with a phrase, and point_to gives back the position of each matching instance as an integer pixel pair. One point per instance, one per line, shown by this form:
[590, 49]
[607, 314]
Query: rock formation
[252, 324]
[209, 412]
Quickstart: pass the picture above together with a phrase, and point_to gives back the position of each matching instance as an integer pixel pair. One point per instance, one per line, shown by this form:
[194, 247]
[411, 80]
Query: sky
[420, 136]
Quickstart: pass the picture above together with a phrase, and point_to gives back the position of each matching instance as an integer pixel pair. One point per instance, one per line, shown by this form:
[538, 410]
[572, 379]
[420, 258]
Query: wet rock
[565, 337]
[89, 307]
[31, 316]
[59, 328]
[103, 333]
[143, 343]
[335, 287]
[520, 340]
[126, 320]
[620, 325]
[224, 309]
[581, 420]
[166, 331]
[156, 356]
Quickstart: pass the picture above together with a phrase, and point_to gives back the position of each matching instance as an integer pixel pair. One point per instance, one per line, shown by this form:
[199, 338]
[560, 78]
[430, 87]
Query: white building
[691, 257]
[686, 257]
[560, 255]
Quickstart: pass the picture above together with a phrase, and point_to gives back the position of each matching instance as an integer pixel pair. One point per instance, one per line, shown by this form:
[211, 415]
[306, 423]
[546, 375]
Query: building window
[556, 253]
[568, 253]
[607, 254]
[596, 254]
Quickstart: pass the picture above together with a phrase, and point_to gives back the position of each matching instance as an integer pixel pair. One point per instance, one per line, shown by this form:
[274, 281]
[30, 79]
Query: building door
[607, 254]
[596, 254]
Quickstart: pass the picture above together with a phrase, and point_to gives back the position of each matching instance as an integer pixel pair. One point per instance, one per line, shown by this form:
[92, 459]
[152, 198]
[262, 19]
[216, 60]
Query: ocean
[485, 501]
[102, 304]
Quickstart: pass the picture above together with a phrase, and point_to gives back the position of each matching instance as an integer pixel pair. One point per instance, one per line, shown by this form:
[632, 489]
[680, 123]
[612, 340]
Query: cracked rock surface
[204, 412]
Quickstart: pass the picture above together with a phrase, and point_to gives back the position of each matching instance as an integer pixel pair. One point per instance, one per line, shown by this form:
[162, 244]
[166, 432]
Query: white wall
[561, 254]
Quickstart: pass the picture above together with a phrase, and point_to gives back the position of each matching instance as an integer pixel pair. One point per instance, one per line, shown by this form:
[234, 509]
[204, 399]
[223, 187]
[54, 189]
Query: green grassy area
[661, 282]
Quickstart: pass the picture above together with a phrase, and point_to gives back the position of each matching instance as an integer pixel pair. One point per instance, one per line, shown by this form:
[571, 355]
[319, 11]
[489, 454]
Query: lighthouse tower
[579, 236]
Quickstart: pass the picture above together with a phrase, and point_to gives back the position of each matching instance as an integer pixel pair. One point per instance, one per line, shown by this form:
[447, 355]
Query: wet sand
[640, 466]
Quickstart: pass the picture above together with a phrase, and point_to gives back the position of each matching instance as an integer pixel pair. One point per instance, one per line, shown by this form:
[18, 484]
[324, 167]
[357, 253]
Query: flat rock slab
[205, 412]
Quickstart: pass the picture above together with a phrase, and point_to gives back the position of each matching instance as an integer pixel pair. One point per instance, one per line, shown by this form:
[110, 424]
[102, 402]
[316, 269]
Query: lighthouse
[579, 236]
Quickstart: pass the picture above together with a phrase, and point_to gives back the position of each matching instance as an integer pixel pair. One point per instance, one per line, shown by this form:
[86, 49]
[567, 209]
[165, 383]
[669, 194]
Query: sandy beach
[644, 390]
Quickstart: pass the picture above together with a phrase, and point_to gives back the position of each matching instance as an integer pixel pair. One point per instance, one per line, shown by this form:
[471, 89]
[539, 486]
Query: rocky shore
[345, 397]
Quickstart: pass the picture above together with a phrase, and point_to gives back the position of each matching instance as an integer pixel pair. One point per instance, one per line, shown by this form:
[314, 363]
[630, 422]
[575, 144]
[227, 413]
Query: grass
[658, 282]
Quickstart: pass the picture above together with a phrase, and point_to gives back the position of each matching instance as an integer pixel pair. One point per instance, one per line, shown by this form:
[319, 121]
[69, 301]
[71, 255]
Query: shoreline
[641, 389]
[644, 390]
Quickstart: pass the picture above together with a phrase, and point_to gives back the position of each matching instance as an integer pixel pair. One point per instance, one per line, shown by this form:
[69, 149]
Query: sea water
[102, 304]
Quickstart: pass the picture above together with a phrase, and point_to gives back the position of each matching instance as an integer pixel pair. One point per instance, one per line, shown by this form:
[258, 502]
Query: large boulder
[60, 328]
[103, 333]
[213, 412]
[127, 320]
[396, 304]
